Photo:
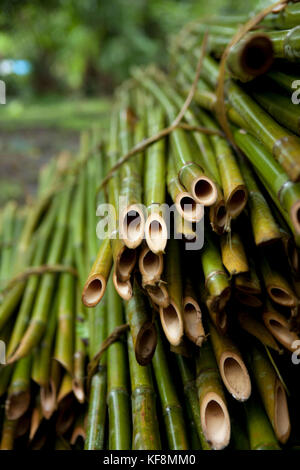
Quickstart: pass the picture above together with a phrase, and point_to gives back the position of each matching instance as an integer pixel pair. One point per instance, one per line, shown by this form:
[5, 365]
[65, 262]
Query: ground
[31, 134]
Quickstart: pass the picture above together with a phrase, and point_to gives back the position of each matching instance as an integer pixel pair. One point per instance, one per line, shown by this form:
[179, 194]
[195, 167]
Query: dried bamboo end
[132, 226]
[125, 263]
[215, 421]
[159, 295]
[237, 201]
[145, 344]
[93, 290]
[280, 329]
[16, 405]
[172, 323]
[192, 319]
[204, 191]
[281, 296]
[156, 233]
[282, 425]
[221, 216]
[48, 399]
[235, 376]
[124, 288]
[188, 208]
[150, 265]
[257, 55]
[78, 390]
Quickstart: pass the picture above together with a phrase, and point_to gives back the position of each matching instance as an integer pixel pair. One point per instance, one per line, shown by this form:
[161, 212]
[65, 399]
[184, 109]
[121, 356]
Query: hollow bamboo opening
[235, 376]
[188, 208]
[124, 288]
[159, 295]
[146, 343]
[204, 191]
[151, 265]
[193, 321]
[133, 226]
[221, 215]
[237, 201]
[93, 290]
[257, 55]
[282, 420]
[279, 328]
[295, 216]
[281, 296]
[171, 321]
[126, 262]
[156, 233]
[215, 421]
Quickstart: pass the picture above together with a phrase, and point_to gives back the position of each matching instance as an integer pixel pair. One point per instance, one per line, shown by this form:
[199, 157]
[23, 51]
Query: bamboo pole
[272, 394]
[255, 328]
[172, 410]
[213, 409]
[192, 315]
[150, 266]
[18, 394]
[231, 365]
[279, 327]
[233, 254]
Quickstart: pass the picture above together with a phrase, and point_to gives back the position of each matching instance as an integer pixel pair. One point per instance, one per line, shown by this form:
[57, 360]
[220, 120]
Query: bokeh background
[62, 59]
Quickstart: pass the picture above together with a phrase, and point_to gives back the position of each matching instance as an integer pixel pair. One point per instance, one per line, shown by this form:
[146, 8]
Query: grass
[72, 114]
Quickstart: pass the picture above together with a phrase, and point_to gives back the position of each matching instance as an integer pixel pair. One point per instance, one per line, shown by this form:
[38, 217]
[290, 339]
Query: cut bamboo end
[171, 321]
[78, 390]
[151, 266]
[188, 208]
[124, 288]
[282, 425]
[222, 321]
[204, 191]
[48, 399]
[220, 216]
[237, 201]
[132, 226]
[280, 329]
[281, 296]
[248, 299]
[156, 233]
[125, 263]
[36, 419]
[235, 376]
[16, 405]
[159, 295]
[257, 55]
[295, 216]
[93, 290]
[192, 319]
[145, 344]
[215, 421]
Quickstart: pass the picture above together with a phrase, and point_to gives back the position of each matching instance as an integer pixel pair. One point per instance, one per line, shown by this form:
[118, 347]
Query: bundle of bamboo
[200, 328]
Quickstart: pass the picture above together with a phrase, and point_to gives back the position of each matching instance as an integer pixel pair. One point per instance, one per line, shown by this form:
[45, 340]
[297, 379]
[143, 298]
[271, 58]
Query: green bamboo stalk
[64, 342]
[8, 434]
[272, 393]
[37, 324]
[30, 292]
[284, 147]
[42, 355]
[171, 317]
[132, 130]
[8, 218]
[287, 18]
[190, 392]
[18, 394]
[145, 432]
[284, 80]
[191, 175]
[117, 386]
[231, 365]
[260, 432]
[216, 280]
[142, 328]
[79, 355]
[281, 187]
[172, 410]
[213, 410]
[154, 183]
[264, 226]
[280, 107]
